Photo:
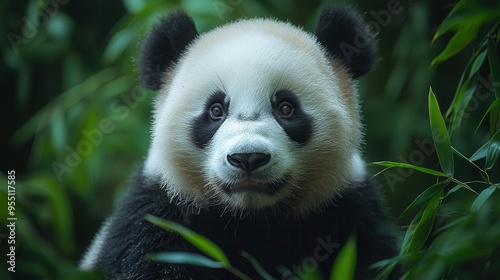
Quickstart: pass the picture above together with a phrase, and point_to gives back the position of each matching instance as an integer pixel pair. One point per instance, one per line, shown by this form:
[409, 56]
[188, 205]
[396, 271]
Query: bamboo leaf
[425, 197]
[464, 35]
[199, 241]
[493, 150]
[58, 130]
[494, 62]
[187, 258]
[480, 153]
[478, 62]
[257, 266]
[462, 86]
[453, 190]
[464, 13]
[494, 119]
[345, 263]
[449, 23]
[464, 96]
[425, 224]
[470, 161]
[120, 41]
[391, 164]
[481, 198]
[440, 136]
[494, 65]
[384, 268]
[494, 107]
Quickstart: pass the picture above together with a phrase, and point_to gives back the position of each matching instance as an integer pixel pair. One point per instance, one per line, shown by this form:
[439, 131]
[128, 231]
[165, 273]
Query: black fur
[163, 47]
[273, 239]
[203, 128]
[299, 126]
[342, 31]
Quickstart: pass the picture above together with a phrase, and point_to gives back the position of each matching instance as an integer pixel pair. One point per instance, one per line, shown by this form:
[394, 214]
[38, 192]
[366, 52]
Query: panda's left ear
[163, 47]
[344, 34]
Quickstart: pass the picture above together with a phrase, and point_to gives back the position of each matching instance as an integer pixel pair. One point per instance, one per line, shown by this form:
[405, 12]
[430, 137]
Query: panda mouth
[249, 185]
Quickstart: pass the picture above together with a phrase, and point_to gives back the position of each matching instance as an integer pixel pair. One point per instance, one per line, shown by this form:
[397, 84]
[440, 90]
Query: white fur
[357, 168]
[90, 258]
[249, 60]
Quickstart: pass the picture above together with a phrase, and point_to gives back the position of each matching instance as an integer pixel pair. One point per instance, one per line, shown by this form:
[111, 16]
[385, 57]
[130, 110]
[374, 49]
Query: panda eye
[286, 109]
[216, 111]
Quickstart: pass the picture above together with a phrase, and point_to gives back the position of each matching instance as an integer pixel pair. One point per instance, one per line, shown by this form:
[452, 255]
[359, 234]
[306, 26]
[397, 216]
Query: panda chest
[273, 241]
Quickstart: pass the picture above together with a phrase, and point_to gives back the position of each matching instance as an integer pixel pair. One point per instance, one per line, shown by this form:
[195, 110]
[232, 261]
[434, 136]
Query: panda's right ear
[163, 47]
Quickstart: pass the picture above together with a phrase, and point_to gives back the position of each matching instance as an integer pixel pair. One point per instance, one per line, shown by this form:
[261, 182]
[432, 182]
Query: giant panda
[255, 145]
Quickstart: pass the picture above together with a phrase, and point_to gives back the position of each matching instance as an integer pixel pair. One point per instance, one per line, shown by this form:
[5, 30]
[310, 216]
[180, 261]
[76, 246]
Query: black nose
[248, 161]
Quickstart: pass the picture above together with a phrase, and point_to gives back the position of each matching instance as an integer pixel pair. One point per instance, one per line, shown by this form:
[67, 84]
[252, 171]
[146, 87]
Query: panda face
[255, 116]
[249, 141]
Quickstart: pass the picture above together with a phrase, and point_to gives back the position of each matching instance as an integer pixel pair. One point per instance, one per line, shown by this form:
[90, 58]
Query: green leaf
[494, 107]
[473, 164]
[58, 129]
[494, 119]
[187, 258]
[494, 65]
[425, 197]
[464, 13]
[392, 164]
[120, 41]
[41, 120]
[481, 198]
[409, 233]
[257, 266]
[440, 136]
[384, 268]
[494, 62]
[464, 35]
[199, 241]
[464, 97]
[454, 19]
[462, 86]
[345, 263]
[480, 153]
[425, 224]
[478, 62]
[134, 6]
[493, 150]
[61, 211]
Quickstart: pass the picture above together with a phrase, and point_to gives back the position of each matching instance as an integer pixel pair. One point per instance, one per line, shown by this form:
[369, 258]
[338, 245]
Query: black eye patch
[205, 125]
[288, 113]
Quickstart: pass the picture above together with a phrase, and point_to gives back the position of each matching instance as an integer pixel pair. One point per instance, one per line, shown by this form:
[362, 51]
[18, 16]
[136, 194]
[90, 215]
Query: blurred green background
[76, 122]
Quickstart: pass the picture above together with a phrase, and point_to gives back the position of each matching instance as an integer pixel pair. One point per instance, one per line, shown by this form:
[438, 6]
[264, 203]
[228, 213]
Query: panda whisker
[236, 227]
[222, 83]
[281, 82]
[228, 221]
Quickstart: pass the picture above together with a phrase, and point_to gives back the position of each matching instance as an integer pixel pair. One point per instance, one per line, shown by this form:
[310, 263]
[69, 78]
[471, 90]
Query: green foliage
[218, 258]
[345, 263]
[343, 268]
[440, 136]
[257, 266]
[200, 242]
[390, 164]
[447, 237]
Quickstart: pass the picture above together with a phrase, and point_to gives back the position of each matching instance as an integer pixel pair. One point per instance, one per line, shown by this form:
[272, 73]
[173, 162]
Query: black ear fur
[342, 31]
[163, 47]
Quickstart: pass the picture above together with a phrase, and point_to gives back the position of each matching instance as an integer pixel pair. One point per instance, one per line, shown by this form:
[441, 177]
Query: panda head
[256, 114]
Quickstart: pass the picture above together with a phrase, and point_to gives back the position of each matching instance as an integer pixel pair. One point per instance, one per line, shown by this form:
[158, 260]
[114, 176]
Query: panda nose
[248, 161]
